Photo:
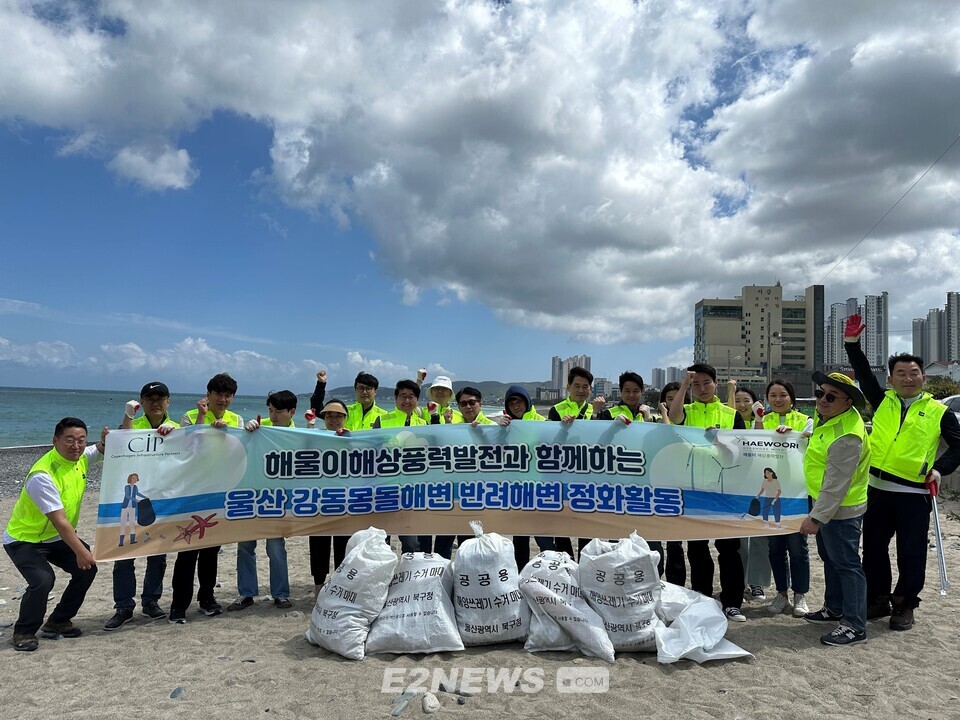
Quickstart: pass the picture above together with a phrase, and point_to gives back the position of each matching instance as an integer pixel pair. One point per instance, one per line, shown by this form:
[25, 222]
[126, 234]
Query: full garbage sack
[352, 597]
[560, 618]
[418, 615]
[620, 581]
[486, 594]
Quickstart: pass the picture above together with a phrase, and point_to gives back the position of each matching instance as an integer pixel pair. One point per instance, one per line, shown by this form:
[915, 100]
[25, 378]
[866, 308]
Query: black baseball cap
[155, 388]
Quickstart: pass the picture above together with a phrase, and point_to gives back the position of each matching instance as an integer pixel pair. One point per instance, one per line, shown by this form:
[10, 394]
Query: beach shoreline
[258, 662]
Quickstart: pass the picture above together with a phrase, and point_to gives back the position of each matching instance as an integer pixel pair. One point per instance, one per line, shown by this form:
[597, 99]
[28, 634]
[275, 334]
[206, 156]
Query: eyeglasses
[468, 403]
[364, 389]
[406, 397]
[829, 397]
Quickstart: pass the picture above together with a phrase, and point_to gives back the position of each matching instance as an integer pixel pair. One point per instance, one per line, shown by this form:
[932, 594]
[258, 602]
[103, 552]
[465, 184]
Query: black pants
[521, 548]
[675, 565]
[320, 555]
[33, 560]
[565, 544]
[731, 570]
[906, 515]
[203, 563]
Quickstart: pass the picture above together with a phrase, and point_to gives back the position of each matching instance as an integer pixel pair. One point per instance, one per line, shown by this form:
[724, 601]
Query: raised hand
[854, 329]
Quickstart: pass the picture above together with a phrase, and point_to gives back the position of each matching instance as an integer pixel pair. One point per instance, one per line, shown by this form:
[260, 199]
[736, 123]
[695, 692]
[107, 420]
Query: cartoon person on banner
[770, 490]
[128, 511]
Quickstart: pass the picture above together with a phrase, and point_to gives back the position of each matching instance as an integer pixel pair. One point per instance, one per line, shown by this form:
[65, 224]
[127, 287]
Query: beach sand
[256, 663]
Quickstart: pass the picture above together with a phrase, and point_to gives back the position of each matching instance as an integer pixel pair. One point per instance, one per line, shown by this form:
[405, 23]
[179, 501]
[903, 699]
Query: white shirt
[42, 490]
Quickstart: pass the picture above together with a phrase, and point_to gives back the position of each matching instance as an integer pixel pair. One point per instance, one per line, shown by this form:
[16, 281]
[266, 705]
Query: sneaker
[878, 609]
[734, 615]
[283, 603]
[844, 635]
[153, 611]
[65, 629]
[211, 607]
[177, 617]
[778, 605]
[800, 608]
[756, 592]
[902, 618]
[240, 603]
[119, 619]
[25, 642]
[822, 615]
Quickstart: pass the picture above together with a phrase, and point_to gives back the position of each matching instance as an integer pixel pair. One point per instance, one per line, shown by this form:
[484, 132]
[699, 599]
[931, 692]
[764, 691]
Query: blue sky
[204, 188]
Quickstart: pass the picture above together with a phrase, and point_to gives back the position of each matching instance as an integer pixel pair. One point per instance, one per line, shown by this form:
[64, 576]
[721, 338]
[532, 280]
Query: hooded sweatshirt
[531, 413]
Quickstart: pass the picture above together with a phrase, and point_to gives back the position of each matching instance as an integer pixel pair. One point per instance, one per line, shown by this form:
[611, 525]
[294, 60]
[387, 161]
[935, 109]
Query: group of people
[879, 484]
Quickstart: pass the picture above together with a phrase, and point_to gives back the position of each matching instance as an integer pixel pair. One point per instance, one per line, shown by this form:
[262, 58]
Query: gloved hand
[422, 374]
[854, 329]
[933, 483]
[130, 409]
[758, 410]
[311, 417]
[432, 407]
[252, 424]
[624, 419]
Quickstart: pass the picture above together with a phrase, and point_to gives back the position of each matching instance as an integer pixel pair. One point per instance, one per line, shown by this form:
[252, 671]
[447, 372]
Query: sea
[28, 415]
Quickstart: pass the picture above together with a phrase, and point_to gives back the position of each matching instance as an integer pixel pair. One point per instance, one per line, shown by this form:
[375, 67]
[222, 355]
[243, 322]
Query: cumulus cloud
[380, 368]
[155, 169]
[55, 355]
[591, 170]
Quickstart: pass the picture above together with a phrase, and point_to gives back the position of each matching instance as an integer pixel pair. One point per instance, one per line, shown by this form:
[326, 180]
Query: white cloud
[681, 357]
[161, 169]
[590, 170]
[384, 370]
[42, 354]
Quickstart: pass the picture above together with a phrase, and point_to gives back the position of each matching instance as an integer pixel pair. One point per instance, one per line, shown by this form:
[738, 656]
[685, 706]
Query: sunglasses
[829, 397]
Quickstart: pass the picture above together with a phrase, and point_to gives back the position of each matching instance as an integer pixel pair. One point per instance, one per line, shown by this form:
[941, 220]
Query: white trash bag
[620, 581]
[697, 628]
[418, 615]
[486, 591]
[561, 619]
[353, 595]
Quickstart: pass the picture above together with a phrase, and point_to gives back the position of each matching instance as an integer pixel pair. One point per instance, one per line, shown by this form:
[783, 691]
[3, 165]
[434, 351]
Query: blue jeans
[794, 545]
[125, 582]
[247, 568]
[845, 591]
[769, 504]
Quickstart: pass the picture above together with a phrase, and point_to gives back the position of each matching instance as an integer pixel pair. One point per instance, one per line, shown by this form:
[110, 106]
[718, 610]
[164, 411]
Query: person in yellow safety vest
[439, 410]
[576, 406]
[836, 466]
[783, 417]
[281, 406]
[407, 394]
[905, 473]
[214, 410]
[518, 406]
[470, 402]
[674, 566]
[155, 402]
[706, 411]
[42, 530]
[362, 414]
[631, 407]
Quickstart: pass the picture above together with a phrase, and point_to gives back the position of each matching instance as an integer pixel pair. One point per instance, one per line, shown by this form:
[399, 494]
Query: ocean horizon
[29, 415]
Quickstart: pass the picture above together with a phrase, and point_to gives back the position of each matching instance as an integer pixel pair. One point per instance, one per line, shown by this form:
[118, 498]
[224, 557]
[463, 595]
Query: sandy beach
[257, 662]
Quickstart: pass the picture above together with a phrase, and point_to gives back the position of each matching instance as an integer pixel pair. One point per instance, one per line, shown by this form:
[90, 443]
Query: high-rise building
[920, 337]
[951, 318]
[750, 335]
[936, 338]
[675, 374]
[602, 386]
[658, 377]
[876, 315]
[559, 369]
